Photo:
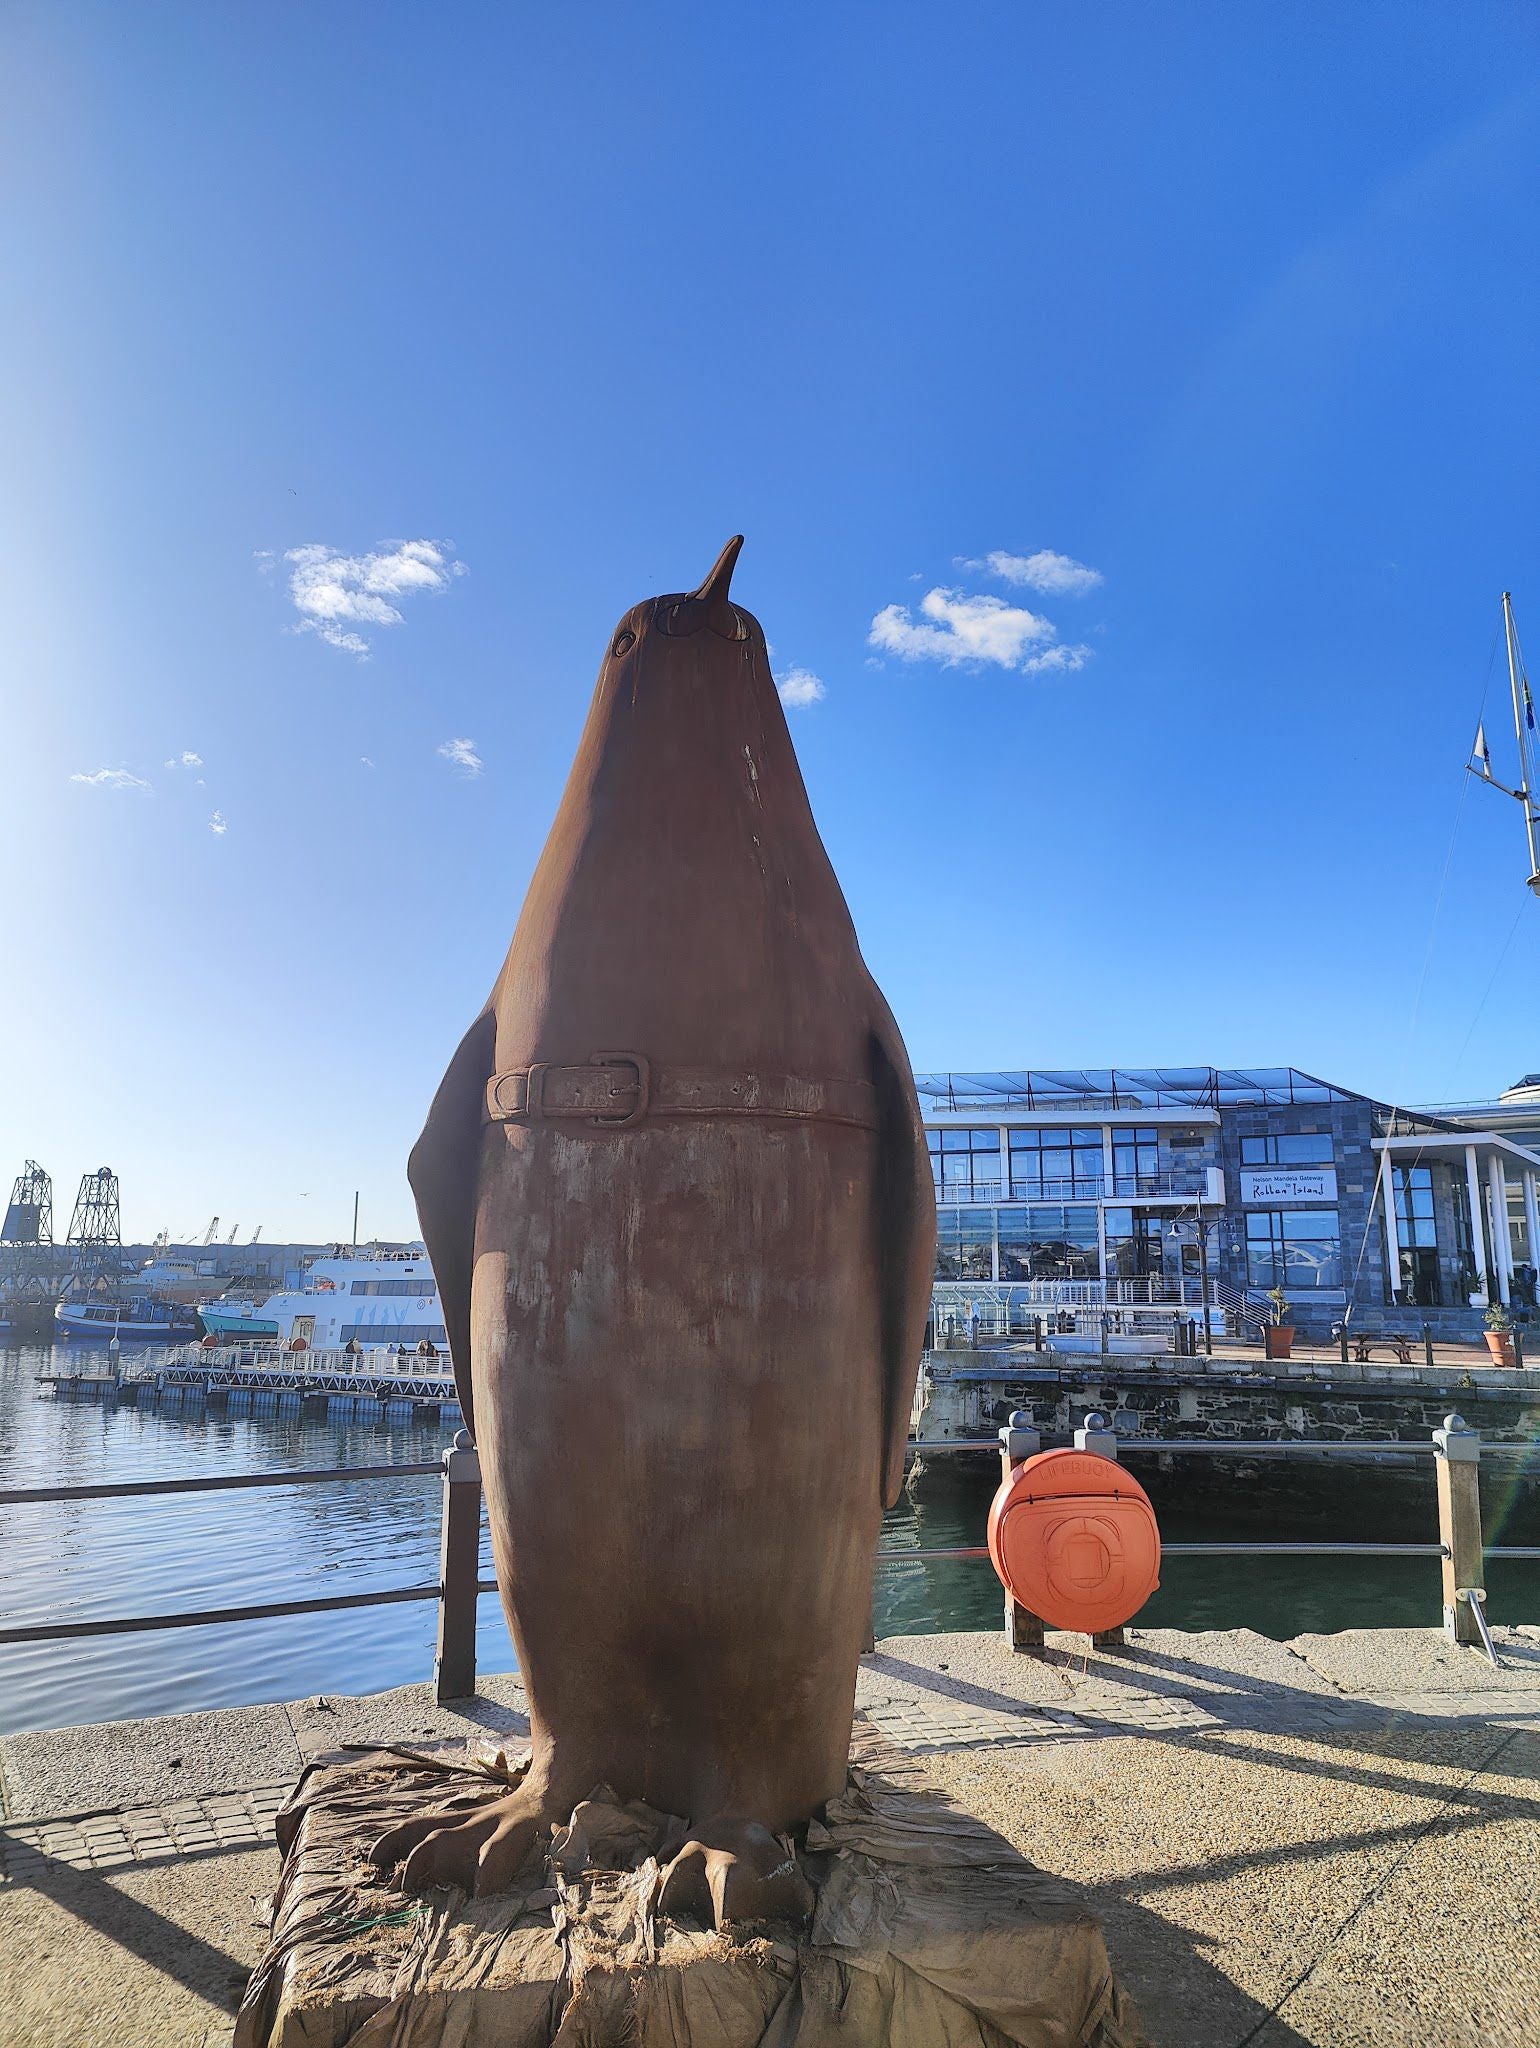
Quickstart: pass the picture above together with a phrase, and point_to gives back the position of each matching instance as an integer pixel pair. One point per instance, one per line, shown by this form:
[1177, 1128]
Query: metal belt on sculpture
[675, 1189]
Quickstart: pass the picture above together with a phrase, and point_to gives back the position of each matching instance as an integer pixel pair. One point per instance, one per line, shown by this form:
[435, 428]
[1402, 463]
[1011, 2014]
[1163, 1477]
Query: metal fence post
[454, 1666]
[1457, 1460]
[1094, 1436]
[1018, 1442]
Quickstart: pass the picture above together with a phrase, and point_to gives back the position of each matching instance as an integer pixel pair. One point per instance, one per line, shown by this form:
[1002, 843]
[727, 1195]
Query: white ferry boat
[373, 1299]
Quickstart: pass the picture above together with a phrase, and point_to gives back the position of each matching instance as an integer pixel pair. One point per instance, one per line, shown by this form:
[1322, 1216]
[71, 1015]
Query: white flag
[1481, 752]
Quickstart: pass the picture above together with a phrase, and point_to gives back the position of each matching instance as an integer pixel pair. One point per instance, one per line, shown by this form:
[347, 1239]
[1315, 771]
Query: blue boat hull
[134, 1325]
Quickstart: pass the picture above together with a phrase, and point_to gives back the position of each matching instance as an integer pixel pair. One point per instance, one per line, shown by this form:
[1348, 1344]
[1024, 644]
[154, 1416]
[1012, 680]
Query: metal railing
[1171, 1183]
[1462, 1552]
[1455, 1448]
[253, 1369]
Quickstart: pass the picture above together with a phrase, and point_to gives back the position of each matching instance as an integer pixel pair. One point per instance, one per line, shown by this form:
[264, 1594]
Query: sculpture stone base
[929, 1931]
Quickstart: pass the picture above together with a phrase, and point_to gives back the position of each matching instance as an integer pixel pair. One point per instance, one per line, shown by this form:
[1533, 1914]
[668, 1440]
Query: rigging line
[1459, 812]
[1491, 984]
[1422, 979]
[1417, 1157]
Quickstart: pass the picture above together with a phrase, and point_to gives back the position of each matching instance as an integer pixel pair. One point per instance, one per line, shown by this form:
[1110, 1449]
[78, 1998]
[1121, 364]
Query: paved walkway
[1332, 1841]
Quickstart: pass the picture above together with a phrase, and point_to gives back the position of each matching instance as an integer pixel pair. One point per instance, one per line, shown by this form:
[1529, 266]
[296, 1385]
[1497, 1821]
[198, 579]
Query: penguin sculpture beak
[709, 605]
[713, 592]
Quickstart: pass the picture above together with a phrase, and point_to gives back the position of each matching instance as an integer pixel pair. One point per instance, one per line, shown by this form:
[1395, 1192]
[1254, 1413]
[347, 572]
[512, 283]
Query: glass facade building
[1116, 1189]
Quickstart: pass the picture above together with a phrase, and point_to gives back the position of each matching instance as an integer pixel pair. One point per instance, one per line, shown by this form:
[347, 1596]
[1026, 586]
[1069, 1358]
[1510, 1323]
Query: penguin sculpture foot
[735, 1870]
[480, 1852]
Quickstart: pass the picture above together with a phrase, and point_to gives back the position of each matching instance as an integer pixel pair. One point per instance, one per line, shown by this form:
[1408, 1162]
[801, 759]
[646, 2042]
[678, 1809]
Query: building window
[1136, 1161]
[1050, 1243]
[1135, 1250]
[965, 1164]
[1298, 1250]
[1046, 1163]
[1420, 1280]
[1414, 1206]
[965, 1244]
[1288, 1148]
[393, 1334]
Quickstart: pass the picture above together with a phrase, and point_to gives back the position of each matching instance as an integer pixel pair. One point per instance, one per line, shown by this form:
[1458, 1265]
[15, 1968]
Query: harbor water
[87, 1560]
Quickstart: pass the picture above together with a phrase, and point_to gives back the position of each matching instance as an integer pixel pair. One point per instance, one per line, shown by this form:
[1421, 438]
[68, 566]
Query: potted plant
[1499, 1334]
[1278, 1331]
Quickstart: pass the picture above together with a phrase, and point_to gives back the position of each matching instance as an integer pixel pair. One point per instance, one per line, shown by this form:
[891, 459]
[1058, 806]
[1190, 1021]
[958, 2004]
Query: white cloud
[336, 593]
[217, 825]
[799, 687]
[1065, 659]
[1052, 575]
[111, 778]
[364, 758]
[185, 761]
[462, 754]
[957, 629]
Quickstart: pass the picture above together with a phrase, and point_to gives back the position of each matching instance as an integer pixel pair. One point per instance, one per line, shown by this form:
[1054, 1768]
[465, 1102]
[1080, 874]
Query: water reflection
[78, 1560]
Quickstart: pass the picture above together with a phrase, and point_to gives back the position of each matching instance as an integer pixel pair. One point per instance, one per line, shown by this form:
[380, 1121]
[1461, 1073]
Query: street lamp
[1204, 1227]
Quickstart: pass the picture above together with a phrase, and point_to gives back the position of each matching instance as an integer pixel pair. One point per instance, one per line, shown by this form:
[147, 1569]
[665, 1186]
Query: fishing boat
[132, 1319]
[179, 1276]
[237, 1319]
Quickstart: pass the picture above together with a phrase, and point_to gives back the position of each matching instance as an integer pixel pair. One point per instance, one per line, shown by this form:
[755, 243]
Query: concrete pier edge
[1286, 1841]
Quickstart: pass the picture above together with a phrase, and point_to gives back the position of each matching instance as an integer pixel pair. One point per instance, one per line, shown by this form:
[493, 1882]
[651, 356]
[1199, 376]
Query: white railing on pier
[374, 1360]
[1155, 1290]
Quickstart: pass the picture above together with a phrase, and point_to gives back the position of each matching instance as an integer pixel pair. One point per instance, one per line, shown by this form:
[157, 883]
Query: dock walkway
[1330, 1841]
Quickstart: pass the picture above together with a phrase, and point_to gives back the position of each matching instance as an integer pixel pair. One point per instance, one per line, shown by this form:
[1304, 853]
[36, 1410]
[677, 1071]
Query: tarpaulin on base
[929, 1931]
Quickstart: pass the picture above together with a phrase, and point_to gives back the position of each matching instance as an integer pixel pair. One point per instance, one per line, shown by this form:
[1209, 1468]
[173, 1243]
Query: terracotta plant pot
[1500, 1344]
[1278, 1338]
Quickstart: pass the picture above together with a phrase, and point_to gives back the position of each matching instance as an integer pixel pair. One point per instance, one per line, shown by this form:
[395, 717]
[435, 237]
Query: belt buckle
[643, 1088]
[534, 1091]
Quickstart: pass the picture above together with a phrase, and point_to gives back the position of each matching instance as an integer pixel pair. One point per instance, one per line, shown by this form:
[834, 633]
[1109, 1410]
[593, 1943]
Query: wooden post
[1427, 1345]
[1458, 1464]
[1102, 1442]
[454, 1666]
[1018, 1442]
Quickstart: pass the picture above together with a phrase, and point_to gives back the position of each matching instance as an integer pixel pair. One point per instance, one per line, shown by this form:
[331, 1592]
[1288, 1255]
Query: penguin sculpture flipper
[907, 1238]
[442, 1173]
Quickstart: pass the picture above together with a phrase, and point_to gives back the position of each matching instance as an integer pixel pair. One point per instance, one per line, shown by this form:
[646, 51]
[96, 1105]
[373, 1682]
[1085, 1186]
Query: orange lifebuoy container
[1074, 1539]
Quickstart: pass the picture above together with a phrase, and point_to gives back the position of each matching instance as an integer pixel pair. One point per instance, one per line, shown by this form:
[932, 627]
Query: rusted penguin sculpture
[675, 1189]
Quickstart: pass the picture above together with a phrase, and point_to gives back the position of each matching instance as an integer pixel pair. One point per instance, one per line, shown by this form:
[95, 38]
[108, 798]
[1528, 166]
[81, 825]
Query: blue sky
[1235, 308]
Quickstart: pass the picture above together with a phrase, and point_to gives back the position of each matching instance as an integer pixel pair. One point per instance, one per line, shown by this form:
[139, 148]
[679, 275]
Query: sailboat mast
[1516, 686]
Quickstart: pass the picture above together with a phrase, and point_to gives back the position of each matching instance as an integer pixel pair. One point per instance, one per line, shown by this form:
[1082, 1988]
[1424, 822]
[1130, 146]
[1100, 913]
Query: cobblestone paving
[922, 1725]
[141, 1834]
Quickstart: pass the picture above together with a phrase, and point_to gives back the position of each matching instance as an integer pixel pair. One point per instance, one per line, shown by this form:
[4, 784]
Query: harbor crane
[95, 1232]
[29, 1279]
[208, 1235]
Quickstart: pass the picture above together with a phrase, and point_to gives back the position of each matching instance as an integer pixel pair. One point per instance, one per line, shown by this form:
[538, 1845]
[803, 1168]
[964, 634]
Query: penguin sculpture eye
[624, 642]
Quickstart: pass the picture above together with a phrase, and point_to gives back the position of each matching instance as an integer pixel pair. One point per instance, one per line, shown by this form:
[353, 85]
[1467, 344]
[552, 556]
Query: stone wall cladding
[1351, 1127]
[974, 1402]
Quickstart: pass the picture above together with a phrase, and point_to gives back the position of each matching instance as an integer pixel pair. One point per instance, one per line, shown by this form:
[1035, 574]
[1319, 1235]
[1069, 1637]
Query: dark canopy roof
[1127, 1088]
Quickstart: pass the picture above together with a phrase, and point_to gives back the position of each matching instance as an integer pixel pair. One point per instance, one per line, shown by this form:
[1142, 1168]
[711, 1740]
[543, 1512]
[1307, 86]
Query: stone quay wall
[1181, 1398]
